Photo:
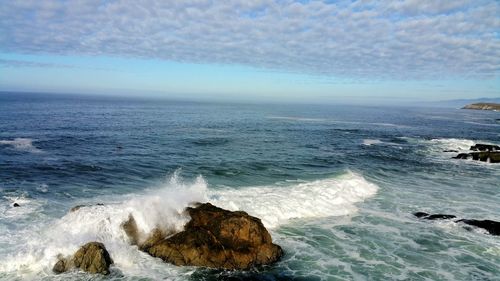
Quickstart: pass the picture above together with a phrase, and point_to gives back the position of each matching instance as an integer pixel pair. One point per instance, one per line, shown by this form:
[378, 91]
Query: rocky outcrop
[215, 238]
[493, 227]
[484, 156]
[485, 147]
[482, 152]
[130, 228]
[483, 106]
[91, 257]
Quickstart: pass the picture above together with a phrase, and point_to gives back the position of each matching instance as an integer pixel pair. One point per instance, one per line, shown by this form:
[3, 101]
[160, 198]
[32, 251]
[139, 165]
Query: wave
[324, 120]
[276, 205]
[452, 144]
[370, 142]
[21, 144]
[291, 118]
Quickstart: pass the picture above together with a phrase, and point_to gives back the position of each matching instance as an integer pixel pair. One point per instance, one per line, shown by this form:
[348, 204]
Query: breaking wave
[164, 208]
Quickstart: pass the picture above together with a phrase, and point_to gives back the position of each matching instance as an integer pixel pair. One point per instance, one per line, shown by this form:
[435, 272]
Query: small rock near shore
[91, 257]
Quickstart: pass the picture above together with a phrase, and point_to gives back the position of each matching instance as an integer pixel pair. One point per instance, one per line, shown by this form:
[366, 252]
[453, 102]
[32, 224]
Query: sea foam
[276, 205]
[21, 144]
[164, 207]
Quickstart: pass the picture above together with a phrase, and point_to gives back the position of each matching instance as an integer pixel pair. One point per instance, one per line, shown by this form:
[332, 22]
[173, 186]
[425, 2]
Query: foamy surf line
[275, 205]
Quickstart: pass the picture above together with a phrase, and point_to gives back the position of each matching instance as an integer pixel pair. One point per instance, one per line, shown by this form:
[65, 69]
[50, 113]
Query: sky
[297, 51]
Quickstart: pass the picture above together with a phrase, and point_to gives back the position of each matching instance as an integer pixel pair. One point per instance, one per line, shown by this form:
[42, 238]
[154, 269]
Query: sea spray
[22, 144]
[164, 208]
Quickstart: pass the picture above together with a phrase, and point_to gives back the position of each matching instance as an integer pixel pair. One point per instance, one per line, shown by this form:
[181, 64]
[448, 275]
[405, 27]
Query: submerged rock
[215, 238]
[493, 227]
[426, 216]
[78, 207]
[91, 257]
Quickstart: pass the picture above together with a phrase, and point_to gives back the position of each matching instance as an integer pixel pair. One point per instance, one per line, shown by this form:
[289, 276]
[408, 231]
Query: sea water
[335, 185]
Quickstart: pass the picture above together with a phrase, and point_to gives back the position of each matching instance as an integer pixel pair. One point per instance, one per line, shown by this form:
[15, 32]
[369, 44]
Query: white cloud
[361, 39]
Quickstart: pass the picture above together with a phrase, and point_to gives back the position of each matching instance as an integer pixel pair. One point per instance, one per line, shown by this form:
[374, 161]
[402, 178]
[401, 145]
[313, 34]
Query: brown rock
[130, 228]
[216, 238]
[483, 106]
[91, 257]
[61, 266]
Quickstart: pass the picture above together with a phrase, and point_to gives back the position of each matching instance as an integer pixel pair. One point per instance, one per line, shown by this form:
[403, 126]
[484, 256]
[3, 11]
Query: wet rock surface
[492, 227]
[482, 152]
[91, 257]
[426, 216]
[214, 238]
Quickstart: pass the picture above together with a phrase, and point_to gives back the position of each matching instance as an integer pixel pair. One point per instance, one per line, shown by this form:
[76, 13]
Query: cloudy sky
[246, 50]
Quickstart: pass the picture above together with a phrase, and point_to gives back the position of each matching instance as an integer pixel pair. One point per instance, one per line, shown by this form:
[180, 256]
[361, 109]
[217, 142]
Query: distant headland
[483, 106]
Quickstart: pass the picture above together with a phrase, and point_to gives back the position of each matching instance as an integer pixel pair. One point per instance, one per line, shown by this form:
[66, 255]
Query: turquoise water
[335, 185]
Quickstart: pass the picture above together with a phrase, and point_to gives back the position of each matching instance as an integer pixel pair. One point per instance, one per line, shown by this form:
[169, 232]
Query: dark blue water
[336, 184]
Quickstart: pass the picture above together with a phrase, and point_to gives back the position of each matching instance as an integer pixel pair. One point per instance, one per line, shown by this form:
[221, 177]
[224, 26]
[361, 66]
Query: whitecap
[369, 142]
[22, 144]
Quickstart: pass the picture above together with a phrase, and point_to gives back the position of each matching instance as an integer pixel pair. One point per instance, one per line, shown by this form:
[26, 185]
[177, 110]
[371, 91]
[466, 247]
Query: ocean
[336, 185]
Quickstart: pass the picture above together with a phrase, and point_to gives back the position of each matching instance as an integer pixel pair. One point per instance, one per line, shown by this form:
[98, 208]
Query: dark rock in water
[61, 266]
[484, 147]
[91, 257]
[16, 205]
[78, 207]
[493, 227]
[216, 238]
[462, 156]
[450, 150]
[483, 152]
[486, 156]
[426, 216]
[420, 214]
[440, 217]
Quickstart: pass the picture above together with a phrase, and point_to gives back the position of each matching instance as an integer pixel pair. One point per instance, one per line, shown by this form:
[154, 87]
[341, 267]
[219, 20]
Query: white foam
[274, 204]
[292, 118]
[27, 207]
[22, 144]
[162, 208]
[369, 142]
[452, 144]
